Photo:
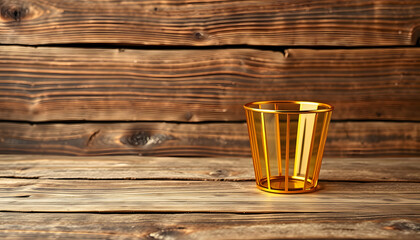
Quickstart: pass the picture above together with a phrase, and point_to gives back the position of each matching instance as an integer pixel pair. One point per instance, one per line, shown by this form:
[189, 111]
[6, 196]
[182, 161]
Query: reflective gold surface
[287, 142]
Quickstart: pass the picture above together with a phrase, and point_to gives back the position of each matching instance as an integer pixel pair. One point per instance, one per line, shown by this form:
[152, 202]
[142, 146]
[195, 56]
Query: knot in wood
[145, 139]
[402, 225]
[199, 36]
[139, 138]
[168, 233]
[220, 173]
[188, 116]
[13, 11]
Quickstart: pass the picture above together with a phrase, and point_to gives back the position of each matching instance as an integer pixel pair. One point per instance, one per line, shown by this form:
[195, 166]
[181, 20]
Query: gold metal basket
[287, 143]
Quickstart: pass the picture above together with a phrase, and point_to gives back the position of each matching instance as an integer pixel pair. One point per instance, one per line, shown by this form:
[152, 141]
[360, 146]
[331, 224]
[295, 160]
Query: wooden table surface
[129, 197]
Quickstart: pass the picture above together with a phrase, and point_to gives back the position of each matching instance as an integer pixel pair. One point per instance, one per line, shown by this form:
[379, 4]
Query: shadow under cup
[287, 143]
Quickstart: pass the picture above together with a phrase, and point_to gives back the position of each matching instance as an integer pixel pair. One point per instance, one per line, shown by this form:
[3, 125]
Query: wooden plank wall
[166, 78]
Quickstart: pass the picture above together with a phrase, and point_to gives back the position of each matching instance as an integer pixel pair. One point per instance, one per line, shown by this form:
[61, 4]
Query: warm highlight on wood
[211, 22]
[210, 139]
[40, 84]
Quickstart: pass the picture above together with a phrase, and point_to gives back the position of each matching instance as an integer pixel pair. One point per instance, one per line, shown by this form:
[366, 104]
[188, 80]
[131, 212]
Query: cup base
[295, 185]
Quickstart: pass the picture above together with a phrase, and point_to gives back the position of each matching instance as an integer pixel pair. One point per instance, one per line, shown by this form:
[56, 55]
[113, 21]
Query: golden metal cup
[287, 143]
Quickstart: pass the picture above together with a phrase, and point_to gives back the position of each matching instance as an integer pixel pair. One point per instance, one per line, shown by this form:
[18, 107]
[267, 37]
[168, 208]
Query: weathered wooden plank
[167, 209]
[207, 226]
[43, 84]
[211, 139]
[208, 169]
[201, 196]
[211, 22]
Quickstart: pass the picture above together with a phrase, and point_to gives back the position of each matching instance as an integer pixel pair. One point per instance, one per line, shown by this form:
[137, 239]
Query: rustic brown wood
[48, 195]
[207, 169]
[211, 22]
[207, 226]
[211, 139]
[42, 84]
[161, 208]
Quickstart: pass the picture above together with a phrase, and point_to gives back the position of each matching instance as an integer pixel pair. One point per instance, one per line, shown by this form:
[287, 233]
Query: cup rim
[328, 108]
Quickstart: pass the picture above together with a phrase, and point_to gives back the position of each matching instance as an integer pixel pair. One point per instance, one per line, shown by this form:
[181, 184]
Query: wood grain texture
[211, 22]
[189, 168]
[207, 226]
[190, 208]
[162, 196]
[211, 139]
[55, 84]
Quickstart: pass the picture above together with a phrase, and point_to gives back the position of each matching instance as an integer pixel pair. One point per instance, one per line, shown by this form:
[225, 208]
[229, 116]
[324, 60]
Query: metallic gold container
[287, 142]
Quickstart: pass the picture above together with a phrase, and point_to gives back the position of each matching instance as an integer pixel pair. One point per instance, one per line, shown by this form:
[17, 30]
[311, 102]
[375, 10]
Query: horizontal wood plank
[55, 84]
[47, 195]
[211, 22]
[211, 139]
[207, 226]
[188, 168]
[161, 208]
